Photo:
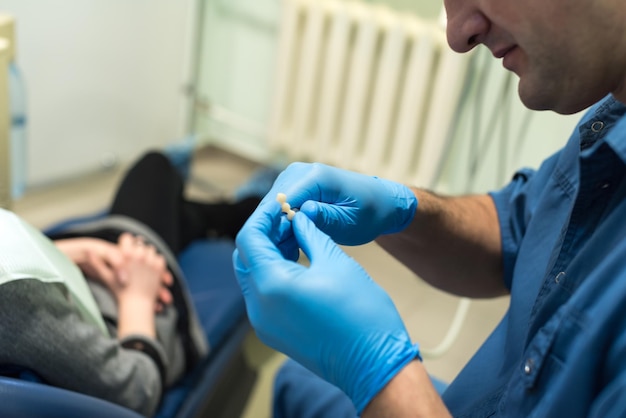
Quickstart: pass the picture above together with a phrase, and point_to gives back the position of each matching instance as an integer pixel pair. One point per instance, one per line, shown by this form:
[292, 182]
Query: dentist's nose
[466, 27]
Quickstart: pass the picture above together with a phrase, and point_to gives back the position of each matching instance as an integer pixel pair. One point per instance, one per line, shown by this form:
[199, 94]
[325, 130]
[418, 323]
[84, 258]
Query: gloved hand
[331, 317]
[352, 208]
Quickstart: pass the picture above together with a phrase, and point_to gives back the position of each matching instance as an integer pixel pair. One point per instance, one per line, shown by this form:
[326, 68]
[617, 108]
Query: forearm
[136, 316]
[409, 394]
[453, 243]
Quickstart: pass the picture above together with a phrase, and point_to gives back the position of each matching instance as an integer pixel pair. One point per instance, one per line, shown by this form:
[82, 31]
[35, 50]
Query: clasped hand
[128, 266]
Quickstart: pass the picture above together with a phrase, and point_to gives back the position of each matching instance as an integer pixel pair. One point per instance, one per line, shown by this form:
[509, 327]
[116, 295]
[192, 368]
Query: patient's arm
[41, 330]
[143, 269]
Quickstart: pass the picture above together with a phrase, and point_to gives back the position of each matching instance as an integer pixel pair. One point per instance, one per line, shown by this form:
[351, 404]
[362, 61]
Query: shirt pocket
[538, 358]
[548, 351]
[543, 363]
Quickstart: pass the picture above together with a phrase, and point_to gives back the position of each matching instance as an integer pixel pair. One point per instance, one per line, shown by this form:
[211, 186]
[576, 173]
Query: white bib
[25, 253]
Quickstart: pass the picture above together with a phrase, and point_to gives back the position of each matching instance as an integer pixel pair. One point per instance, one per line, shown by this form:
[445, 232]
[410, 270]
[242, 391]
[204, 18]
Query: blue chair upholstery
[23, 398]
[218, 387]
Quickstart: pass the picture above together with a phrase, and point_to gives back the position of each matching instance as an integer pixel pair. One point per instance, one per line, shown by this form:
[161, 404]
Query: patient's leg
[153, 192]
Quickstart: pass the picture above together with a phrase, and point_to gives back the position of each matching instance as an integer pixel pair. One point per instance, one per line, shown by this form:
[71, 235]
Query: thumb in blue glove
[331, 317]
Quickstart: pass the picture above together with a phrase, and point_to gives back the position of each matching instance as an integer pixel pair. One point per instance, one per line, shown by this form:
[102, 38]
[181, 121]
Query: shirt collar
[605, 122]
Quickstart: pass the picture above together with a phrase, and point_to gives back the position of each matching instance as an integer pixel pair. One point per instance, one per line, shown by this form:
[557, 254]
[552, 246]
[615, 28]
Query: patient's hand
[144, 272]
[98, 259]
[104, 261]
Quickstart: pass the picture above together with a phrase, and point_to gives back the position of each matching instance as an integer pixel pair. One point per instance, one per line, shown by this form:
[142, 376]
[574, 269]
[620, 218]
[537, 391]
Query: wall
[235, 73]
[104, 79]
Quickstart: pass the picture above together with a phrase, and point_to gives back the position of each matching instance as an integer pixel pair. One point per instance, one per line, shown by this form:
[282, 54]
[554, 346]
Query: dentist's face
[567, 53]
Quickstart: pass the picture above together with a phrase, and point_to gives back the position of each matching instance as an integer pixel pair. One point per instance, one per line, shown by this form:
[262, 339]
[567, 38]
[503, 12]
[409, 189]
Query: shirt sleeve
[515, 205]
[43, 332]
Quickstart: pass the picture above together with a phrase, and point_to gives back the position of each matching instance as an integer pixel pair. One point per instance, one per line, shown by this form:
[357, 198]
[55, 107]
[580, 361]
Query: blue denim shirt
[560, 350]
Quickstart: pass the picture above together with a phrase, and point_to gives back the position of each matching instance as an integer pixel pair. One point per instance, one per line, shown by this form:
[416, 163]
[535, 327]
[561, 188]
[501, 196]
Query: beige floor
[426, 311]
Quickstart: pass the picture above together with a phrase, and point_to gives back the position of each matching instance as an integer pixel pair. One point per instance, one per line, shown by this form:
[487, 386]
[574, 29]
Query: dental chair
[218, 387]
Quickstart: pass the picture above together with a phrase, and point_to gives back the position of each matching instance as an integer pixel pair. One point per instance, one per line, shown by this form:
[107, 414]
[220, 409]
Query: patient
[102, 309]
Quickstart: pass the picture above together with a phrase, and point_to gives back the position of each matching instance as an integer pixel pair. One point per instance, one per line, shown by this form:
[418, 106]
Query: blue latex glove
[352, 208]
[331, 317]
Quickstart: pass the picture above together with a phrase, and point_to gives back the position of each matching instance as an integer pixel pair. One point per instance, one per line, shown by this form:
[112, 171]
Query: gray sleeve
[42, 331]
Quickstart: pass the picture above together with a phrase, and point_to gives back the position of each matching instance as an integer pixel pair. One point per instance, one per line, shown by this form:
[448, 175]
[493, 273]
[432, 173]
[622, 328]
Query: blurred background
[241, 85]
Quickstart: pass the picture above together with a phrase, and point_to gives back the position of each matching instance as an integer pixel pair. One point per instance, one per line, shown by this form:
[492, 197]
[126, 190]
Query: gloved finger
[282, 236]
[248, 288]
[315, 211]
[250, 279]
[260, 287]
[328, 215]
[276, 226]
[322, 183]
[257, 240]
[289, 247]
[314, 242]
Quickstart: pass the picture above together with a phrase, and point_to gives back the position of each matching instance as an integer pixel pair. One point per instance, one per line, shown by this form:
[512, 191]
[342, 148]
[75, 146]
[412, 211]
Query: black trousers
[152, 192]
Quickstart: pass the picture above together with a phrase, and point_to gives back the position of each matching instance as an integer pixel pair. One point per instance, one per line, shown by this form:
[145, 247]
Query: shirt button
[528, 366]
[559, 277]
[597, 126]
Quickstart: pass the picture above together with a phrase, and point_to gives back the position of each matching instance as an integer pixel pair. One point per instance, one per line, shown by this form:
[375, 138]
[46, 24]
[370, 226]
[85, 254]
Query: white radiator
[366, 88]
